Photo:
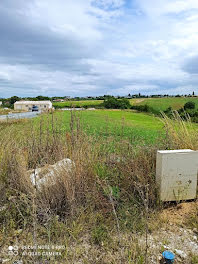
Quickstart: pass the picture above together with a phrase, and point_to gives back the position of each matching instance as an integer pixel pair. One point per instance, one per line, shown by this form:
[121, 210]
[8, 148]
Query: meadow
[161, 104]
[104, 209]
[86, 103]
[157, 104]
[117, 124]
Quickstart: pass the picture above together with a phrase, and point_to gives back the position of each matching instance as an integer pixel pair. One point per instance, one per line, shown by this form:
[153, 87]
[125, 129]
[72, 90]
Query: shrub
[189, 105]
[168, 111]
[113, 103]
[145, 108]
[141, 108]
[189, 111]
[124, 103]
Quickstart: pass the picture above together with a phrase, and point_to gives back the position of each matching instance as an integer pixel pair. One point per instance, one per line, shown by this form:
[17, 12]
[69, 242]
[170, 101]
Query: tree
[13, 99]
[124, 103]
[113, 103]
[189, 105]
[42, 98]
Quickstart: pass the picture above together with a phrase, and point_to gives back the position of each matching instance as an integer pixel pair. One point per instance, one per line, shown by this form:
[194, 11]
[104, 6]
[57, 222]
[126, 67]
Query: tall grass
[96, 167]
[180, 134]
[105, 185]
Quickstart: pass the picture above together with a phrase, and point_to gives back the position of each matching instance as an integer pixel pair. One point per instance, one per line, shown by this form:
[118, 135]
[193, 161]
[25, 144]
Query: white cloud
[94, 46]
[66, 17]
[109, 3]
[137, 72]
[137, 88]
[163, 7]
[43, 81]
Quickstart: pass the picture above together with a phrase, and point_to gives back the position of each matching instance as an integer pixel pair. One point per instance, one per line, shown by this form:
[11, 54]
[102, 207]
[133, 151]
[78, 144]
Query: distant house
[0, 103]
[27, 105]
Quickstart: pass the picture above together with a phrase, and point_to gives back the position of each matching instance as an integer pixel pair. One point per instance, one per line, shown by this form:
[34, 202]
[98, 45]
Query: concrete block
[47, 175]
[176, 174]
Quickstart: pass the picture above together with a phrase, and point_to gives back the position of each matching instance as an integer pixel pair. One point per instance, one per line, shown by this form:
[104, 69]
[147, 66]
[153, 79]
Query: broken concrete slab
[48, 174]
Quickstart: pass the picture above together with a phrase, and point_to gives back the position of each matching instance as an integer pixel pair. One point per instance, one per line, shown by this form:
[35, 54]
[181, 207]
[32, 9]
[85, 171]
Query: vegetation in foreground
[111, 192]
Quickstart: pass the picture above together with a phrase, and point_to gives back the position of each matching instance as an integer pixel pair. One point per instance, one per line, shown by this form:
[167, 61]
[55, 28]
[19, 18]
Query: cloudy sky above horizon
[96, 47]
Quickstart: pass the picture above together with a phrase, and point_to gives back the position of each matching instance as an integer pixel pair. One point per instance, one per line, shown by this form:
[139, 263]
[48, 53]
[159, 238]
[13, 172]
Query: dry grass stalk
[181, 134]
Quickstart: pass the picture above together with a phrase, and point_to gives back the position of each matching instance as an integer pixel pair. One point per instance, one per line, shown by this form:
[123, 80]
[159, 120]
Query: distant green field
[126, 124]
[86, 103]
[158, 104]
[161, 104]
[117, 124]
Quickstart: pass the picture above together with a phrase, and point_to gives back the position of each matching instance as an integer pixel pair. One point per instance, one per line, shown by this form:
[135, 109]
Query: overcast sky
[96, 47]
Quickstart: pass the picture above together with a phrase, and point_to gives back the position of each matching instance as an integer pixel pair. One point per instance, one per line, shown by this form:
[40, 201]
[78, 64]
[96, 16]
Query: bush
[124, 103]
[189, 111]
[145, 108]
[113, 103]
[141, 108]
[168, 110]
[189, 105]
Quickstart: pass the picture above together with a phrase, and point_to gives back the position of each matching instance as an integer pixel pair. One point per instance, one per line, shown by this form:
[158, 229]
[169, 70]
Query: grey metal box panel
[176, 174]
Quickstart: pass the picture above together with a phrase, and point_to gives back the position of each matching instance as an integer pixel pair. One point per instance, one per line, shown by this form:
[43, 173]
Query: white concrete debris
[180, 253]
[47, 175]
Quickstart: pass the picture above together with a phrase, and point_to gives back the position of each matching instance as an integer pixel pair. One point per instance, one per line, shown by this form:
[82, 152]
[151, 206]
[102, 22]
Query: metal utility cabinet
[176, 174]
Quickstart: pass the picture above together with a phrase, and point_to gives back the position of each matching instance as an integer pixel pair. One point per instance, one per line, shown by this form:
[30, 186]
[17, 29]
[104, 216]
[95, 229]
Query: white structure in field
[0, 103]
[27, 105]
[176, 174]
[47, 175]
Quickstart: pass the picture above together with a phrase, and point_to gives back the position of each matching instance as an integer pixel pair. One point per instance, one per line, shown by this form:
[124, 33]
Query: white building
[0, 103]
[27, 105]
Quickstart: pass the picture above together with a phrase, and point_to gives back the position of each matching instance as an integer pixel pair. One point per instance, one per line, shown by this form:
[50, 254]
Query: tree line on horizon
[9, 102]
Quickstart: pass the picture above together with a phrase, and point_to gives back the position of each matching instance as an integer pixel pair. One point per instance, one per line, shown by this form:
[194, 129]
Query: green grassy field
[158, 104]
[138, 128]
[87, 103]
[161, 104]
[117, 124]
